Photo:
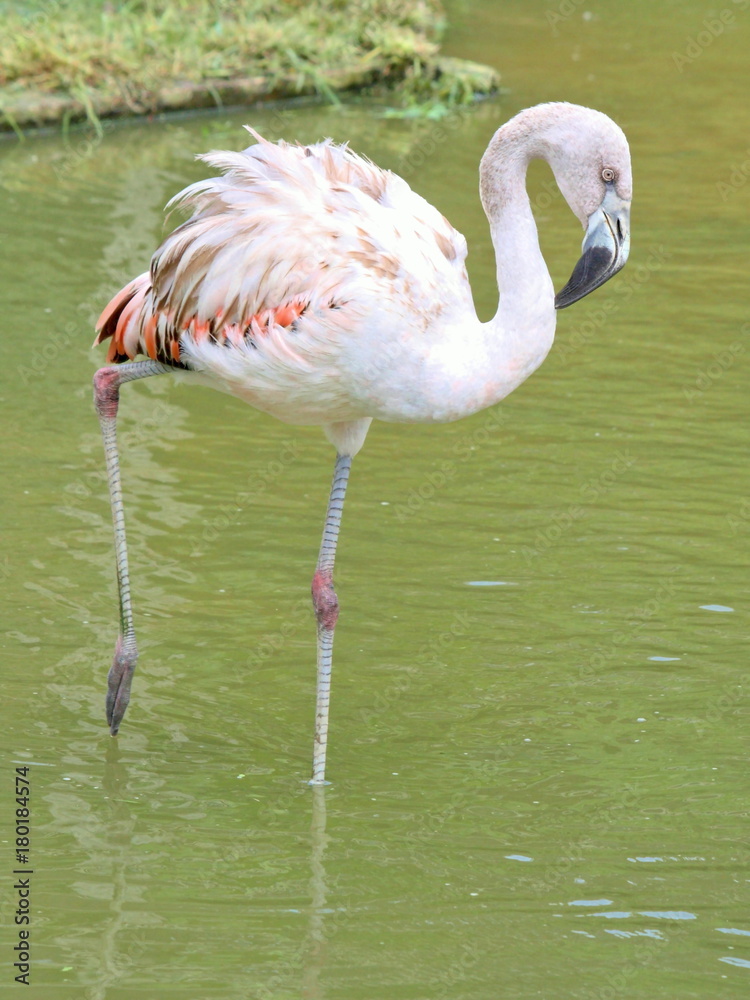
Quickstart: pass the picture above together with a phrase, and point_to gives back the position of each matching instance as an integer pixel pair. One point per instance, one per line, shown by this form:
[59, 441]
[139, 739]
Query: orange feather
[149, 337]
[122, 325]
[115, 304]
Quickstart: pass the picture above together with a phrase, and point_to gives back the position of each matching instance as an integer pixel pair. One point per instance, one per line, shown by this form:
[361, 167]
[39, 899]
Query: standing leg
[107, 382]
[326, 607]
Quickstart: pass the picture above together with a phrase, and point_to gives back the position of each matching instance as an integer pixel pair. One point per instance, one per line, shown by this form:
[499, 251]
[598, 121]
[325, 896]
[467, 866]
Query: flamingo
[321, 289]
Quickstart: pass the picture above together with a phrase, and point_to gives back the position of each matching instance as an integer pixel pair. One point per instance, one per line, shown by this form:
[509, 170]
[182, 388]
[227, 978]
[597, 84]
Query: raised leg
[107, 382]
[326, 607]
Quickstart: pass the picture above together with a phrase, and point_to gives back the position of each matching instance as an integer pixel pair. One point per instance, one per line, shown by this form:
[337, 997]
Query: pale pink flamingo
[323, 290]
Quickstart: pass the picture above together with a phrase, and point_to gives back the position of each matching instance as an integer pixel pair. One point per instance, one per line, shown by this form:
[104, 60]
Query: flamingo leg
[107, 382]
[326, 607]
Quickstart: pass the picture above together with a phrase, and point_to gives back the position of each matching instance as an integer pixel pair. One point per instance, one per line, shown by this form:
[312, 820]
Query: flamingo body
[308, 282]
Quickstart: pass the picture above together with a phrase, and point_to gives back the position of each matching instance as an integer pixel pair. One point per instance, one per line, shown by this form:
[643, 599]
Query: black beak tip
[592, 270]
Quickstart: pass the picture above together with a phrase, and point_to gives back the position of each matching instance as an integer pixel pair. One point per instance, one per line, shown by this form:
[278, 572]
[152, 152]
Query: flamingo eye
[608, 175]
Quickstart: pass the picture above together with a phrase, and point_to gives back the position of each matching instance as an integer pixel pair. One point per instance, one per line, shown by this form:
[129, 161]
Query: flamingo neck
[527, 299]
[520, 335]
[474, 365]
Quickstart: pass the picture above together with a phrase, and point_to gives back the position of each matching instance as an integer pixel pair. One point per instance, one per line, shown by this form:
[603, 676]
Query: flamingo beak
[605, 250]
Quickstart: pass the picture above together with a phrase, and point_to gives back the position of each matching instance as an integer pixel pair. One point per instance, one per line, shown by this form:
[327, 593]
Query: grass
[122, 54]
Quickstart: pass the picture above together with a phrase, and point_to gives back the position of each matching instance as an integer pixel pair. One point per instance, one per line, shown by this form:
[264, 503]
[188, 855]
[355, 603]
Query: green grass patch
[120, 55]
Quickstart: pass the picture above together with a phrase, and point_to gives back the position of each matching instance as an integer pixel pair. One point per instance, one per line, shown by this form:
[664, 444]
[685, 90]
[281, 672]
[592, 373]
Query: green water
[539, 728]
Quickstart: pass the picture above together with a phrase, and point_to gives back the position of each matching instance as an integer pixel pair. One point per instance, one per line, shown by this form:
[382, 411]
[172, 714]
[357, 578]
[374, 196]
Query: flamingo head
[590, 159]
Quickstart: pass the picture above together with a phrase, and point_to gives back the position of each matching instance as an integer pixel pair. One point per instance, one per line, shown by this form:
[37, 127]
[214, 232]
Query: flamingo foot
[119, 679]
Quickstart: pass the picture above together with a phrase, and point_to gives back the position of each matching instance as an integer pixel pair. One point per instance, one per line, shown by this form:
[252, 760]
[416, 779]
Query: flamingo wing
[285, 230]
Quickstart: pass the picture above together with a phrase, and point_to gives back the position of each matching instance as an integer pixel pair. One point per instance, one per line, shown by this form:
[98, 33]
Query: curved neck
[526, 293]
[472, 365]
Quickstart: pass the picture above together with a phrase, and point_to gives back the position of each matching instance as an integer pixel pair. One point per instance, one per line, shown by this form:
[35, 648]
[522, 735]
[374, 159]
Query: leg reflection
[316, 937]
